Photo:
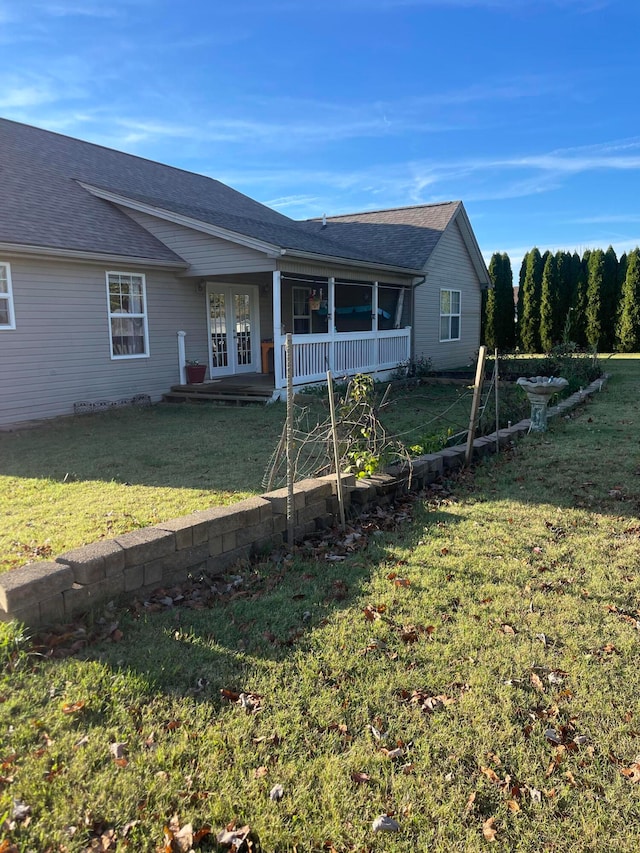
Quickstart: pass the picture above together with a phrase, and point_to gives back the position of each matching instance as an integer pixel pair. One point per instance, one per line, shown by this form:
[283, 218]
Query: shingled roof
[44, 204]
[405, 236]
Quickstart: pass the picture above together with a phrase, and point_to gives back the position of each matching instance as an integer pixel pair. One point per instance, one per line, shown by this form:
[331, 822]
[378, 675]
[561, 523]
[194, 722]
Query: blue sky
[524, 109]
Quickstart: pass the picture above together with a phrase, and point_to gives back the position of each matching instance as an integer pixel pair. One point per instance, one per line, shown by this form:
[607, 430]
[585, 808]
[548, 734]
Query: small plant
[192, 362]
[432, 442]
[13, 646]
[420, 368]
[362, 463]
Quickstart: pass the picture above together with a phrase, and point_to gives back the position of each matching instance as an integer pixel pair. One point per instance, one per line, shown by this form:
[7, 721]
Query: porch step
[213, 392]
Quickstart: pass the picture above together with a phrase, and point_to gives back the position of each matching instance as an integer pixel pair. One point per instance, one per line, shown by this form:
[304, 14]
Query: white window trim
[110, 316]
[457, 314]
[306, 316]
[8, 298]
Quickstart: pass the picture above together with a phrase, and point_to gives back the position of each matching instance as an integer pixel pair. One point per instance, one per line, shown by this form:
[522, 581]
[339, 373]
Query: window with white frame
[449, 315]
[128, 330]
[301, 310]
[7, 316]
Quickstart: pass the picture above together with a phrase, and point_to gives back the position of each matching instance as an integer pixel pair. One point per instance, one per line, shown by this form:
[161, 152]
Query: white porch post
[182, 358]
[277, 329]
[374, 323]
[331, 320]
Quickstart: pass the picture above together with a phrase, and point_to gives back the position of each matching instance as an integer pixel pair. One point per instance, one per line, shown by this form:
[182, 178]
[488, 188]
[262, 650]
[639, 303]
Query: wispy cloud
[606, 219]
[503, 6]
[293, 201]
[68, 8]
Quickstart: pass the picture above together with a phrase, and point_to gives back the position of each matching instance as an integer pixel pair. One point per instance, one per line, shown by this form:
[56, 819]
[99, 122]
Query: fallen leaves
[489, 829]
[276, 793]
[73, 707]
[118, 752]
[360, 778]
[374, 612]
[249, 702]
[238, 839]
[427, 703]
[632, 773]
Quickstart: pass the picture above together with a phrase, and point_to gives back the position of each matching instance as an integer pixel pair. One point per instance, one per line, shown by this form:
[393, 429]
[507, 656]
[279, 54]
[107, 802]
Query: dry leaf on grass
[489, 829]
[232, 836]
[359, 777]
[72, 708]
[632, 772]
[276, 793]
[537, 682]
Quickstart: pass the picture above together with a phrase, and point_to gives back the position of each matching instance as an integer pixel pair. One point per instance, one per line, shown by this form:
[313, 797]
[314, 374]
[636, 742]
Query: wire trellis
[364, 443]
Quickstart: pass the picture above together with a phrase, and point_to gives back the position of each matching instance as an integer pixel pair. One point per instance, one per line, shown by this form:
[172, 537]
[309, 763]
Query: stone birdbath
[539, 390]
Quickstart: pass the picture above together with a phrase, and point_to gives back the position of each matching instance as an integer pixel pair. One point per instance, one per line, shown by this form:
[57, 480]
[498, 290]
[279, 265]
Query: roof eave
[97, 257]
[350, 262]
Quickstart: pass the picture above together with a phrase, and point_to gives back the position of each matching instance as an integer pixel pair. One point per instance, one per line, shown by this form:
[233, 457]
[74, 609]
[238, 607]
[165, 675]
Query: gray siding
[449, 267]
[206, 255]
[59, 352]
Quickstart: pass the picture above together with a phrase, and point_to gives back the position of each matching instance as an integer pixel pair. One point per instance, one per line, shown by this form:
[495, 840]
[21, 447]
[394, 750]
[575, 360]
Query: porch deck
[248, 388]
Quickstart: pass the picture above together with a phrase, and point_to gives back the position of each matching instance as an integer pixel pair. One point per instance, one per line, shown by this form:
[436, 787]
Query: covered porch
[346, 325]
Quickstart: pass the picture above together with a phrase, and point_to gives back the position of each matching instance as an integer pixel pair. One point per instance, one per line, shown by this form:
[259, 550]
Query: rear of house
[114, 271]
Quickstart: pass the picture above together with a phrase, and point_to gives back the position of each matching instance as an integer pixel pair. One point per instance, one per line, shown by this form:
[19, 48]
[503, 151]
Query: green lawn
[81, 479]
[497, 692]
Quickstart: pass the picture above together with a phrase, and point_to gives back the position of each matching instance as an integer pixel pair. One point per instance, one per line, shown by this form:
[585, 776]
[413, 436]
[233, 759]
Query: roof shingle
[44, 205]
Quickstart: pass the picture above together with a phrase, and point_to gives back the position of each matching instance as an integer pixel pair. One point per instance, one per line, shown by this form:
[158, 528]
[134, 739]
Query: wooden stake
[290, 463]
[336, 450]
[475, 405]
[496, 379]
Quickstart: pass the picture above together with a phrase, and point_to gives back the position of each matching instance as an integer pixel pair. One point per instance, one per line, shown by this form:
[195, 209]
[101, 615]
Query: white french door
[233, 330]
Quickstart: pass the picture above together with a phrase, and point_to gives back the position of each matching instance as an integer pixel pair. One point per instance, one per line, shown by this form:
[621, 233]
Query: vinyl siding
[206, 255]
[449, 267]
[59, 352]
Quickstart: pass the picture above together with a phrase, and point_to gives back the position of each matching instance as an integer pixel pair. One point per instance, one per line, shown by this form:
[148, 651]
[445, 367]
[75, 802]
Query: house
[115, 269]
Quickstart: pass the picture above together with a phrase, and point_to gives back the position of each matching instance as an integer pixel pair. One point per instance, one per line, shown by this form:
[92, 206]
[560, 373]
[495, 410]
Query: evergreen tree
[565, 291]
[521, 277]
[628, 333]
[549, 300]
[506, 307]
[578, 324]
[483, 314]
[495, 271]
[595, 286]
[622, 274]
[609, 302]
[531, 287]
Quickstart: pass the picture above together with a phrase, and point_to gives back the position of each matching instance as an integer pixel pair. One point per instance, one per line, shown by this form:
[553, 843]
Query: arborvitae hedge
[560, 298]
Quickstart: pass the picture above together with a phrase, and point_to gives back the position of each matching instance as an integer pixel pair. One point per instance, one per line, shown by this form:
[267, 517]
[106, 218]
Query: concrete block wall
[215, 539]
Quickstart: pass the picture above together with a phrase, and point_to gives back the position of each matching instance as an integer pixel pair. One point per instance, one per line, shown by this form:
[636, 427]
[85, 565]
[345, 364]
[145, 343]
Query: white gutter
[349, 262]
[97, 257]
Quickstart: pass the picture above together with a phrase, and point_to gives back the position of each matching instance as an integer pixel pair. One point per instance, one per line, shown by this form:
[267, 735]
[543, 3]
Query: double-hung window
[449, 315]
[7, 315]
[127, 301]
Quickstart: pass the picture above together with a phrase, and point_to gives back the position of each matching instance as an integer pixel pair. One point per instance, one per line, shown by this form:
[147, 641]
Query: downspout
[414, 286]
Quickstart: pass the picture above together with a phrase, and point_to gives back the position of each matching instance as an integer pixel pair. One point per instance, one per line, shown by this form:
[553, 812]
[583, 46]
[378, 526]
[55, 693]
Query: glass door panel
[232, 318]
[242, 325]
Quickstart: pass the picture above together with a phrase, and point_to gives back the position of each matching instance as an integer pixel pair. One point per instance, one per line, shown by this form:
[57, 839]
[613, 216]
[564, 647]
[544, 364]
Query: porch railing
[345, 354]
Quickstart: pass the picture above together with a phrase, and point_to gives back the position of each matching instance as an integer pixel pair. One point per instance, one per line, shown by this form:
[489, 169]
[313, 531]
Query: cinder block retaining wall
[213, 540]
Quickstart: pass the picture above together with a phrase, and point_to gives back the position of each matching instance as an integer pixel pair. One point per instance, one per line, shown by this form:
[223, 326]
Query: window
[7, 317]
[301, 310]
[449, 315]
[127, 315]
